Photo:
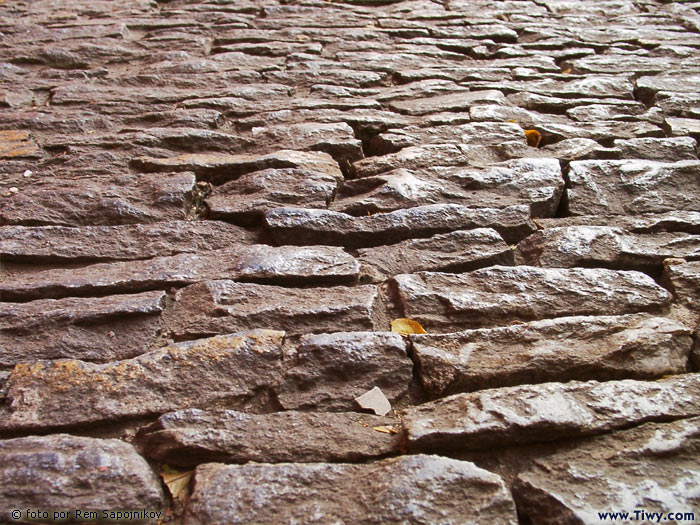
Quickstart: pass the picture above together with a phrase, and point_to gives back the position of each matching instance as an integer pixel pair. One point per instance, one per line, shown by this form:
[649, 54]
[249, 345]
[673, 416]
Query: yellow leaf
[386, 430]
[567, 71]
[177, 481]
[405, 326]
[533, 137]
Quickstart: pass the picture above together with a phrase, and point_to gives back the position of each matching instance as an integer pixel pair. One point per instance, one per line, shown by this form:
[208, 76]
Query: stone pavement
[211, 211]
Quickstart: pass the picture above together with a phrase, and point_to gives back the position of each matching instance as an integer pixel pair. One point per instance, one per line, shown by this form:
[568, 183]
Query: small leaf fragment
[177, 481]
[386, 430]
[533, 137]
[405, 326]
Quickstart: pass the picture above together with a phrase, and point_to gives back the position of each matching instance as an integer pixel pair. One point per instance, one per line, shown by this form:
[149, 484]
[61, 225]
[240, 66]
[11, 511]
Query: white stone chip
[374, 400]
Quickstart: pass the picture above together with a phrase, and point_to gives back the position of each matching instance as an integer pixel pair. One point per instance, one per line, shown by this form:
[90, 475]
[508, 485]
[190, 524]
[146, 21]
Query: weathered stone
[303, 226]
[110, 243]
[215, 307]
[683, 279]
[678, 104]
[248, 197]
[610, 63]
[125, 199]
[633, 187]
[453, 102]
[681, 127]
[223, 371]
[672, 221]
[461, 250]
[648, 86]
[580, 149]
[664, 150]
[648, 472]
[16, 143]
[598, 112]
[408, 489]
[602, 131]
[588, 89]
[219, 168]
[328, 371]
[96, 329]
[522, 414]
[502, 294]
[64, 473]
[190, 437]
[604, 246]
[568, 348]
[253, 262]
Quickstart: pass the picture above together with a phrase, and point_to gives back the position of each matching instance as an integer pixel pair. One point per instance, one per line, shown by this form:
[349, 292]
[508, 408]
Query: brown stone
[683, 279]
[16, 143]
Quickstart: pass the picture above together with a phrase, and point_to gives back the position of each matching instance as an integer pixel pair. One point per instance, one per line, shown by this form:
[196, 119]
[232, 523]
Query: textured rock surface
[683, 279]
[191, 437]
[568, 348]
[499, 295]
[63, 473]
[382, 492]
[651, 468]
[504, 416]
[226, 371]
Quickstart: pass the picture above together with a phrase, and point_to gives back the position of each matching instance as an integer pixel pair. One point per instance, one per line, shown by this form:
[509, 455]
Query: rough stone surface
[683, 279]
[604, 246]
[96, 329]
[567, 348]
[632, 187]
[190, 437]
[499, 295]
[652, 468]
[247, 262]
[63, 472]
[548, 411]
[379, 492]
[225, 371]
[328, 371]
[664, 150]
[304, 226]
[224, 306]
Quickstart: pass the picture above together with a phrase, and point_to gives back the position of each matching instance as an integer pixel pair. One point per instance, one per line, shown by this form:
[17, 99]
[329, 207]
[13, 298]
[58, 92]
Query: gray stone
[259, 262]
[633, 187]
[190, 437]
[601, 131]
[328, 371]
[219, 372]
[96, 329]
[248, 197]
[683, 279]
[647, 471]
[548, 411]
[125, 199]
[650, 85]
[679, 104]
[461, 101]
[64, 473]
[681, 127]
[408, 489]
[112, 243]
[568, 348]
[304, 226]
[672, 221]
[215, 307]
[580, 149]
[664, 150]
[219, 168]
[611, 63]
[461, 250]
[606, 246]
[502, 294]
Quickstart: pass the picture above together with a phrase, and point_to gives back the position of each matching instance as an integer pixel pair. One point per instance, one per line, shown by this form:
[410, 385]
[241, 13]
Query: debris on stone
[374, 400]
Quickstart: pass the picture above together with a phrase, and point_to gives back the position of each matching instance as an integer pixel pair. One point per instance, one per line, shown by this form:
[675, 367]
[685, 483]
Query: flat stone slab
[400, 490]
[283, 264]
[249, 196]
[563, 349]
[124, 199]
[670, 149]
[305, 226]
[219, 167]
[653, 469]
[67, 473]
[548, 411]
[223, 371]
[536, 182]
[41, 244]
[606, 246]
[632, 187]
[683, 279]
[224, 306]
[460, 101]
[328, 371]
[501, 294]
[93, 329]
[459, 251]
[672, 221]
[190, 437]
